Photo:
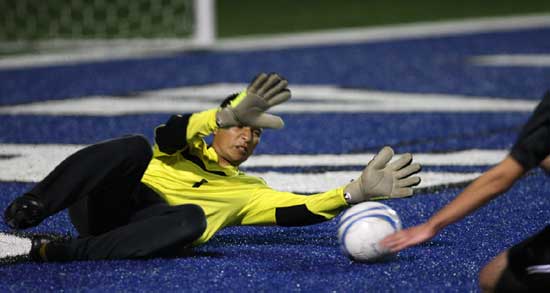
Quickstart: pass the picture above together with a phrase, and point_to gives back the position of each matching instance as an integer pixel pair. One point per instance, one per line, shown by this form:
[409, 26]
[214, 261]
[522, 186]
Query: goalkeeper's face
[235, 144]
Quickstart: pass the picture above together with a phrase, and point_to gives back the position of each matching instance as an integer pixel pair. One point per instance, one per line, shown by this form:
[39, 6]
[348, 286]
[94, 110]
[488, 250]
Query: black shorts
[528, 265]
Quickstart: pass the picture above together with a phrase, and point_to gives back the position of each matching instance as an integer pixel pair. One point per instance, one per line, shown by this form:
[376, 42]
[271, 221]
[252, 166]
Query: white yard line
[532, 60]
[71, 52]
[316, 99]
[31, 163]
[473, 157]
[321, 182]
[12, 245]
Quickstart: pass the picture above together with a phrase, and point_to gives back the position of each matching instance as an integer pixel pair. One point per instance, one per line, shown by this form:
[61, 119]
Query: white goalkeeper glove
[263, 93]
[380, 179]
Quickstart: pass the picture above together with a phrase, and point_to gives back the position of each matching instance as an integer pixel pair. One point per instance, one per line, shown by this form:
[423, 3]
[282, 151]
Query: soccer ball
[362, 226]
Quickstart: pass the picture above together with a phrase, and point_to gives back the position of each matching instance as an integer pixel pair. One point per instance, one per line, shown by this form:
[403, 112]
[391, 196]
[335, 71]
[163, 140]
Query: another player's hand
[380, 179]
[408, 237]
[264, 92]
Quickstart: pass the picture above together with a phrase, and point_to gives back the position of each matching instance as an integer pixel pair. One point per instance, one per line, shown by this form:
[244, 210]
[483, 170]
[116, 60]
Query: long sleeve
[268, 207]
[183, 131]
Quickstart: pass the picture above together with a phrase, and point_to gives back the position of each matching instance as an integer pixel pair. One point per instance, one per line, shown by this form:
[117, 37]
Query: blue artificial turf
[423, 65]
[306, 258]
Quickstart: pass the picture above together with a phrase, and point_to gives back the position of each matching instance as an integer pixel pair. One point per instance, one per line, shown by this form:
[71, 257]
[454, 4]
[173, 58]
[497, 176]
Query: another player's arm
[270, 207]
[488, 186]
[530, 150]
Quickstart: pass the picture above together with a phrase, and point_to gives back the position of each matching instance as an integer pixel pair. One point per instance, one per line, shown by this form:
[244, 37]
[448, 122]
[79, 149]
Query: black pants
[528, 267]
[115, 214]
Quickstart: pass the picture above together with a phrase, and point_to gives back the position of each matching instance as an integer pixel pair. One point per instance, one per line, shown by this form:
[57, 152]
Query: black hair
[228, 100]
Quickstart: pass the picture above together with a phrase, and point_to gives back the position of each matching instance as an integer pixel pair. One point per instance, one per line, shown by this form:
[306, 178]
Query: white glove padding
[381, 179]
[263, 93]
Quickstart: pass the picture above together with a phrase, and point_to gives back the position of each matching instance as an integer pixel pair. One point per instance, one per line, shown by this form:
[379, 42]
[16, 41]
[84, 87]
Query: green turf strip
[242, 17]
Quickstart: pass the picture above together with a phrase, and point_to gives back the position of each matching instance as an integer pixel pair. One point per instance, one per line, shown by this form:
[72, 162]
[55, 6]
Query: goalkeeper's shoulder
[202, 123]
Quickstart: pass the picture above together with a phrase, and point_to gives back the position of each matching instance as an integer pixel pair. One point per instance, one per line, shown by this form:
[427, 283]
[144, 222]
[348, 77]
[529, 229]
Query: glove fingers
[382, 158]
[403, 161]
[408, 182]
[257, 83]
[266, 120]
[281, 97]
[272, 79]
[408, 171]
[275, 89]
[402, 192]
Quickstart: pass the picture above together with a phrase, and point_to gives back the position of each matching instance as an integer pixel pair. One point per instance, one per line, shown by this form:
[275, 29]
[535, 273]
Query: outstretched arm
[488, 186]
[248, 108]
[380, 179]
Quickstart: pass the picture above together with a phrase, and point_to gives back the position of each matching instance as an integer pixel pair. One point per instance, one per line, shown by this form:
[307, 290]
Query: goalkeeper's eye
[257, 131]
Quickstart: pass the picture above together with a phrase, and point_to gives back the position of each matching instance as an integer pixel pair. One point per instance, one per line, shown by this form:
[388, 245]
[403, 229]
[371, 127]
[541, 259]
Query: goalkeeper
[127, 201]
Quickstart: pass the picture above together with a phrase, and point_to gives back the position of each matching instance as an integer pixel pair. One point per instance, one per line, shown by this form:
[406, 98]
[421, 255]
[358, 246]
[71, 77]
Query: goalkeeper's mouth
[242, 149]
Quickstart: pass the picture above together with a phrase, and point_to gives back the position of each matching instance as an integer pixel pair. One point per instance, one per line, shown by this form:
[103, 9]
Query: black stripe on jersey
[296, 216]
[171, 136]
[198, 184]
[197, 161]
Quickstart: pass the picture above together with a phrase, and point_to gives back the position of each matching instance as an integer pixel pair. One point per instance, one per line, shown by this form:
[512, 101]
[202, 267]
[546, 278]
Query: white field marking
[538, 269]
[31, 163]
[315, 183]
[525, 60]
[473, 157]
[324, 98]
[11, 245]
[72, 52]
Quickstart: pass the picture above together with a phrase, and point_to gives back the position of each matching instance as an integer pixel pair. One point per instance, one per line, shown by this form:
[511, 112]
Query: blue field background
[255, 259]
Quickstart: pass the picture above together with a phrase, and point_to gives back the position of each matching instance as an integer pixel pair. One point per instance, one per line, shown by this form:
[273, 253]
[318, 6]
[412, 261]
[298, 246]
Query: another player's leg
[79, 175]
[523, 268]
[494, 271]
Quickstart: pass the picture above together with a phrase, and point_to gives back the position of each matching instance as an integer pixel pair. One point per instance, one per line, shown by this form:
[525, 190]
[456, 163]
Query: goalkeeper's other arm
[384, 179]
[264, 92]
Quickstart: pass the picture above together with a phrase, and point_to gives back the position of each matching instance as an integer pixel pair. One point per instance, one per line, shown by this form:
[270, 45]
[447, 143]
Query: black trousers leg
[159, 230]
[110, 170]
[116, 215]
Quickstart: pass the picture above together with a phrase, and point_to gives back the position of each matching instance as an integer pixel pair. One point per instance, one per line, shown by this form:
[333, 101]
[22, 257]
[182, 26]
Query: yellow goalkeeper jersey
[185, 170]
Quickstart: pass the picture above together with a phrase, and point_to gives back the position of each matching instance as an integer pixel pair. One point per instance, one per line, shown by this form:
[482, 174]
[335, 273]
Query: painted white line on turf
[524, 60]
[473, 157]
[314, 183]
[314, 99]
[73, 52]
[11, 245]
[31, 163]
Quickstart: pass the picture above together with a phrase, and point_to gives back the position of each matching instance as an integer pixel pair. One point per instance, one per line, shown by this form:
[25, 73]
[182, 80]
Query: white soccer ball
[362, 226]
